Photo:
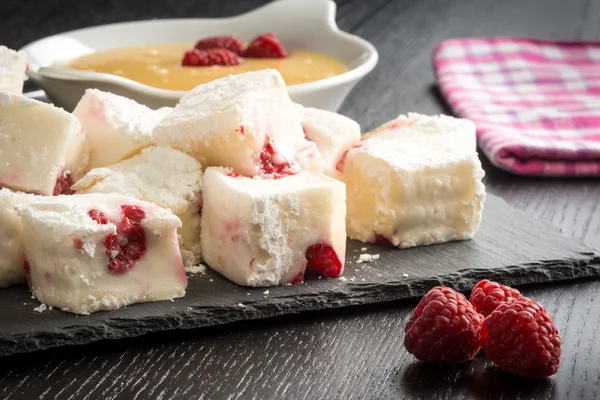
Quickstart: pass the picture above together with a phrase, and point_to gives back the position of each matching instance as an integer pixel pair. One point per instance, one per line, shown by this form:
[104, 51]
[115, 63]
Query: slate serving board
[509, 247]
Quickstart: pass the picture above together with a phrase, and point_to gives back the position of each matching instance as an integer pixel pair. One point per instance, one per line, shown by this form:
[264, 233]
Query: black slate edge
[354, 294]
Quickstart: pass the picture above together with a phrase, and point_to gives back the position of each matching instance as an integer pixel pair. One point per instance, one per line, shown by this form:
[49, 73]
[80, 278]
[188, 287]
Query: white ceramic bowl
[298, 23]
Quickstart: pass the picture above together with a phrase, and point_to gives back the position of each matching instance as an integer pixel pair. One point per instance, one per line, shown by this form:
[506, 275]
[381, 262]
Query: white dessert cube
[245, 121]
[159, 175]
[117, 127]
[414, 181]
[333, 134]
[12, 253]
[42, 148]
[13, 66]
[94, 252]
[259, 232]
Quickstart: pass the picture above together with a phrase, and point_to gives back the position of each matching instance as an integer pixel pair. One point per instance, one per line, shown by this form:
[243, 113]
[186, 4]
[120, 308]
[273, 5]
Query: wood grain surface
[354, 353]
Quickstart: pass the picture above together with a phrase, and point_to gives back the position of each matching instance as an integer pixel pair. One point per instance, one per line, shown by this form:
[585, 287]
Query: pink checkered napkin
[536, 103]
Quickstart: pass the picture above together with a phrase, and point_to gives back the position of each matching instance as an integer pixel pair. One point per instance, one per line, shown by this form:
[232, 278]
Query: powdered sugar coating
[228, 121]
[333, 134]
[12, 253]
[414, 181]
[77, 278]
[160, 175]
[13, 65]
[256, 232]
[38, 143]
[117, 127]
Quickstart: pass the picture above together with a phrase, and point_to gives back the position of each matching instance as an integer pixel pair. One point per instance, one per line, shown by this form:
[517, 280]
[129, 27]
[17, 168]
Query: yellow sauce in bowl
[160, 66]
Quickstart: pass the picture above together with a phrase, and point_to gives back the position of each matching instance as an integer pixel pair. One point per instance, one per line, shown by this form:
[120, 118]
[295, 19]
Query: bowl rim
[354, 74]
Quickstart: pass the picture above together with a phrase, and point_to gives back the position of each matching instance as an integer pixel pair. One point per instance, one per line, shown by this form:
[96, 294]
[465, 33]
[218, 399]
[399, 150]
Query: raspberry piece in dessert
[263, 232]
[13, 66]
[12, 254]
[159, 175]
[333, 134]
[228, 42]
[444, 328]
[266, 45]
[520, 337]
[206, 58]
[117, 127]
[416, 183]
[229, 121]
[40, 145]
[91, 252]
[63, 184]
[488, 295]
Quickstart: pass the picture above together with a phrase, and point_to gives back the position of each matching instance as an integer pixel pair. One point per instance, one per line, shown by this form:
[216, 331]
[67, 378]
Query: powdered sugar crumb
[266, 292]
[363, 249]
[196, 269]
[241, 305]
[343, 279]
[405, 275]
[367, 258]
[41, 308]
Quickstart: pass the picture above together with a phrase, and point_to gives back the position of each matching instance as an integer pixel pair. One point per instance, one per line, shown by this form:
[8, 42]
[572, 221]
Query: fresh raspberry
[269, 167]
[206, 58]
[63, 184]
[265, 46]
[230, 43]
[321, 259]
[444, 328]
[488, 295]
[521, 338]
[234, 174]
[129, 244]
[98, 216]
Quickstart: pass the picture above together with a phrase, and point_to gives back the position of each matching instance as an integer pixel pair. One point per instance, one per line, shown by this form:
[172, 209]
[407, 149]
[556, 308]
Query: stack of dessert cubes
[109, 205]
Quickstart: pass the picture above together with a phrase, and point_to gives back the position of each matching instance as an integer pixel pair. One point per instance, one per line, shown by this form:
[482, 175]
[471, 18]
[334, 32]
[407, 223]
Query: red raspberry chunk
[520, 337]
[444, 328]
[27, 268]
[488, 295]
[129, 244]
[63, 184]
[228, 42]
[207, 58]
[98, 216]
[265, 46]
[269, 167]
[322, 260]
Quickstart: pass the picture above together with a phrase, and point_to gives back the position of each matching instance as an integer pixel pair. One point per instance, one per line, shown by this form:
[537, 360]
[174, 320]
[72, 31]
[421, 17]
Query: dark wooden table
[351, 353]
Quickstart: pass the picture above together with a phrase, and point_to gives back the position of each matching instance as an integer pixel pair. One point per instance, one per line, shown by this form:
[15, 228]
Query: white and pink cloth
[536, 103]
